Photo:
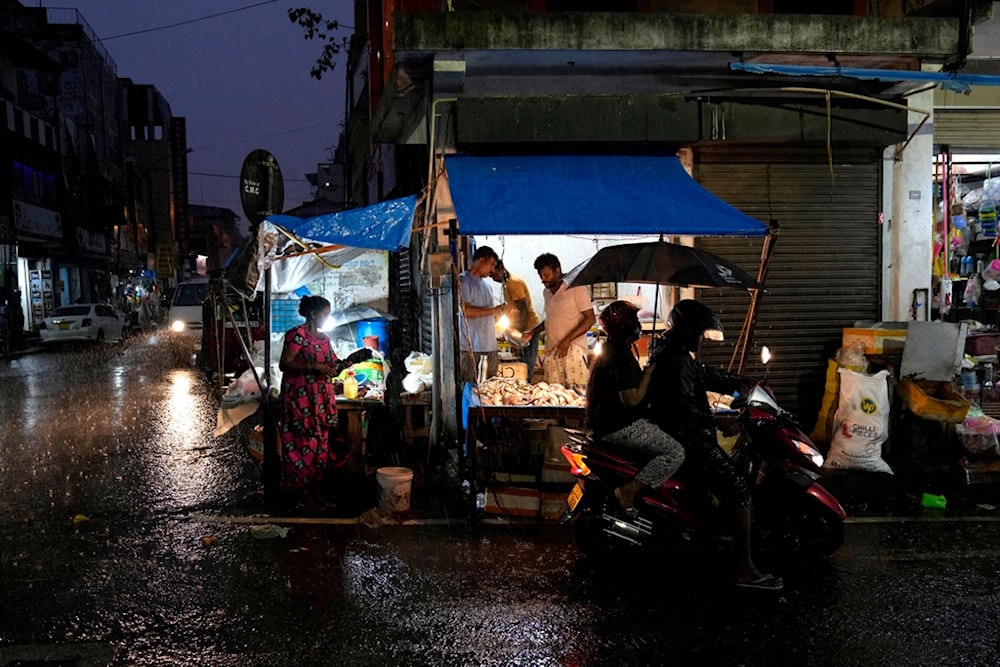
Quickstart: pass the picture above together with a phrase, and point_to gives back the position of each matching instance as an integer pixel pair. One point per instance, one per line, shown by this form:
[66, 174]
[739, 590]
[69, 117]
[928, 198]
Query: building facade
[96, 175]
[798, 115]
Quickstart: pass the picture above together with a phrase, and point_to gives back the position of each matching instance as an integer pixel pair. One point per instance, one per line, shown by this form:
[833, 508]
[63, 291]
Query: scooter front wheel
[813, 529]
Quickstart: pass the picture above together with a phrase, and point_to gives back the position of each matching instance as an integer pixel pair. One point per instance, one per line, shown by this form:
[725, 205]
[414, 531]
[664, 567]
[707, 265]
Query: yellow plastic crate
[936, 401]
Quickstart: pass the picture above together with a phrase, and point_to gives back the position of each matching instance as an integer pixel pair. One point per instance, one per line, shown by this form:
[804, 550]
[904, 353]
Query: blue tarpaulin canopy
[382, 226]
[588, 194]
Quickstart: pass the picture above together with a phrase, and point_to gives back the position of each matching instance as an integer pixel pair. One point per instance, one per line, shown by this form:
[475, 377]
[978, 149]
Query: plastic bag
[862, 422]
[973, 289]
[852, 357]
[242, 390]
[412, 384]
[978, 433]
[421, 365]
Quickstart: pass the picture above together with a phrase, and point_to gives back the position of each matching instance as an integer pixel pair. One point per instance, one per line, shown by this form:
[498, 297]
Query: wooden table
[351, 415]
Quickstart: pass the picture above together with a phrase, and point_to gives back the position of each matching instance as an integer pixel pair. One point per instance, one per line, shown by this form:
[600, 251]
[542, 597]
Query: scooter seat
[619, 455]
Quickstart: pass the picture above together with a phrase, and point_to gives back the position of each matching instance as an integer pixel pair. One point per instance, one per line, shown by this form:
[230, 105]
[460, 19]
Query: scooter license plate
[574, 496]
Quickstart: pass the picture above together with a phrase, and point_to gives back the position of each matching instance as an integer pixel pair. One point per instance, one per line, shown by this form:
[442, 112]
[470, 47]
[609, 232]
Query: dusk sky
[241, 79]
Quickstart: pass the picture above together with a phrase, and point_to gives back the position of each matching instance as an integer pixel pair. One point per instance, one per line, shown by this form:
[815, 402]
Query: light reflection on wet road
[124, 436]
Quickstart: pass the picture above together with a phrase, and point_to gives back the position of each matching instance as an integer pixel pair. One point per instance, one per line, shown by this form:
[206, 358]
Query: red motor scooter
[792, 513]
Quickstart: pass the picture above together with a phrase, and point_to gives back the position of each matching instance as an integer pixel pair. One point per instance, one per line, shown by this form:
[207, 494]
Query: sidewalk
[970, 491]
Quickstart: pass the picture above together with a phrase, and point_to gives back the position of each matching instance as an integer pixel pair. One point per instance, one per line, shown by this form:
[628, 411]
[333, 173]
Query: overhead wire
[188, 22]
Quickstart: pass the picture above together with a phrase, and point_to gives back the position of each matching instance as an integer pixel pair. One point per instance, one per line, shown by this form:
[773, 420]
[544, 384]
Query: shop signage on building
[164, 259]
[91, 241]
[37, 221]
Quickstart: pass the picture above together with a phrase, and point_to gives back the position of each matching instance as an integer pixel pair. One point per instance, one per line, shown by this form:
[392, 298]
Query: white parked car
[83, 321]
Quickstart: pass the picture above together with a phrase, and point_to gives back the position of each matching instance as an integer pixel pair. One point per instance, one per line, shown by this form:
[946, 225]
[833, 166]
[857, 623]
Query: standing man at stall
[518, 298]
[477, 339]
[569, 315]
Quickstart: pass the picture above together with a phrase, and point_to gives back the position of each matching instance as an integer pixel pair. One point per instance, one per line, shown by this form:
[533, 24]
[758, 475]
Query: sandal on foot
[765, 582]
[629, 510]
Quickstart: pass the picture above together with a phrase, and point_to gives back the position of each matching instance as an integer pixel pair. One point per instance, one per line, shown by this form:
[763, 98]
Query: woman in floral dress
[309, 406]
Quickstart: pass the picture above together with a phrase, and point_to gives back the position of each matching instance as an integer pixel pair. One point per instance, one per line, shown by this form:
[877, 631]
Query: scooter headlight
[809, 452]
[177, 326]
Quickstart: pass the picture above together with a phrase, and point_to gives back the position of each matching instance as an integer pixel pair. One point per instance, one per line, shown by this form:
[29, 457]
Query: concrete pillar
[908, 223]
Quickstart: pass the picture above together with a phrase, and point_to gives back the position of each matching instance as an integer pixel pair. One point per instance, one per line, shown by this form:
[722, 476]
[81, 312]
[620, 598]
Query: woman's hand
[325, 369]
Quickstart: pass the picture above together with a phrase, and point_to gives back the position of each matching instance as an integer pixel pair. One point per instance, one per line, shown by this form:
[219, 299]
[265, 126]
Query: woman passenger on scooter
[678, 404]
[616, 397]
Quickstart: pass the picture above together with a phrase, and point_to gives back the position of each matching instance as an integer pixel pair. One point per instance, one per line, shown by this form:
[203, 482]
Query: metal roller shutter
[824, 274]
[977, 129]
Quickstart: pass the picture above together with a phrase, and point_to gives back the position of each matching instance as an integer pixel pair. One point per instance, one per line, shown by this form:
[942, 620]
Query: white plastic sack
[412, 384]
[421, 365]
[861, 422]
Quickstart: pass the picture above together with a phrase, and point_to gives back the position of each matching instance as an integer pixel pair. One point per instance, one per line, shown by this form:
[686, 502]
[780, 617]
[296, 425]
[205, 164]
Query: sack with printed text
[861, 424]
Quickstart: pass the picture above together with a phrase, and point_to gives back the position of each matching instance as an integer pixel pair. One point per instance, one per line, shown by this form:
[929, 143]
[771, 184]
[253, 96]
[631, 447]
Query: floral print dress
[309, 412]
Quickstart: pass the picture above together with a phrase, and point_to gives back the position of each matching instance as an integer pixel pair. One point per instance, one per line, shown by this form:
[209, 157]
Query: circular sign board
[262, 191]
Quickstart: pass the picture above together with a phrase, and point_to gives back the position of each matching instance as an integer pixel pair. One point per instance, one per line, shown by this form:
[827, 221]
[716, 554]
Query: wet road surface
[165, 570]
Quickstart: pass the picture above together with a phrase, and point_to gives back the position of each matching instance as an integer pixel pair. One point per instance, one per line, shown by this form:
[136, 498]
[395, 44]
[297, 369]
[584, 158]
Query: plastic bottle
[350, 385]
[967, 265]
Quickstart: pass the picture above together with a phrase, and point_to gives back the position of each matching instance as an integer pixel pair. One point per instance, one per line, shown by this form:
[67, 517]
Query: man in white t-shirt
[569, 315]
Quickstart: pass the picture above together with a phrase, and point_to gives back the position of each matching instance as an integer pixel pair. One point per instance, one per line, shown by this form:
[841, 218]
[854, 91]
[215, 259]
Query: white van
[186, 305]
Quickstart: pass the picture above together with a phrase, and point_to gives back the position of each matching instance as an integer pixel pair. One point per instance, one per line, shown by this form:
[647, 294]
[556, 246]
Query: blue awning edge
[386, 225]
[588, 194]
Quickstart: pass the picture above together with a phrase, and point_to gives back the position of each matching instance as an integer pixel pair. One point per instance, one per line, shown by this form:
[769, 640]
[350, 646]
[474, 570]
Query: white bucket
[394, 488]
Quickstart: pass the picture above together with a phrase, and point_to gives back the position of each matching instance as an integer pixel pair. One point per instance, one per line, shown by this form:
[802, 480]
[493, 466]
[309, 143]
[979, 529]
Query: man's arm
[521, 306]
[583, 325]
[473, 312]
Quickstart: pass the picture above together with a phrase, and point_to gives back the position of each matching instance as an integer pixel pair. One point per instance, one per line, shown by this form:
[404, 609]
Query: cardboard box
[557, 472]
[513, 370]
[876, 341]
[255, 443]
[514, 478]
[554, 505]
[553, 449]
[513, 501]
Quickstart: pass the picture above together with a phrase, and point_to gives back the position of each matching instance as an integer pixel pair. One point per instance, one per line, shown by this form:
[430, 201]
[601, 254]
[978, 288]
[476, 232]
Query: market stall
[595, 195]
[294, 254]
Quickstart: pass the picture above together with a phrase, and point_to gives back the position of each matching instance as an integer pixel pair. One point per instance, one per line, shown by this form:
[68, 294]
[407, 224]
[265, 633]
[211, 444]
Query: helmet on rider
[620, 321]
[691, 319]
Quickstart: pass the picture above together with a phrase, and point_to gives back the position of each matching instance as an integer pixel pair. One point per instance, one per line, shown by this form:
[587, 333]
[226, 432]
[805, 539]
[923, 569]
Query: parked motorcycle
[792, 513]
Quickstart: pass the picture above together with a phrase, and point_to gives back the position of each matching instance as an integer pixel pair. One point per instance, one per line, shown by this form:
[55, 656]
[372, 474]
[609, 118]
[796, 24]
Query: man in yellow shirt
[516, 294]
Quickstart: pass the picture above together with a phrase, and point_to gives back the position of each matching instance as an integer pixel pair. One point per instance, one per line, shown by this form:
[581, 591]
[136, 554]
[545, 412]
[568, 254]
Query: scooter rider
[678, 404]
[616, 397]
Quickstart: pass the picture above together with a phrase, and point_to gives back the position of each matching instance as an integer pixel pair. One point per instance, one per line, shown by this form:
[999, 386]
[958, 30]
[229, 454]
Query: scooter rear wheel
[589, 529]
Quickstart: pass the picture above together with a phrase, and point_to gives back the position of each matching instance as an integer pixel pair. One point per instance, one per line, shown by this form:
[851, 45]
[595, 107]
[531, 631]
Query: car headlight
[809, 452]
[177, 326]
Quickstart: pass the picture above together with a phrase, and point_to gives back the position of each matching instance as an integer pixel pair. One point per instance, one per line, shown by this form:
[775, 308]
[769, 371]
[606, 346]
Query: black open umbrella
[662, 263]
